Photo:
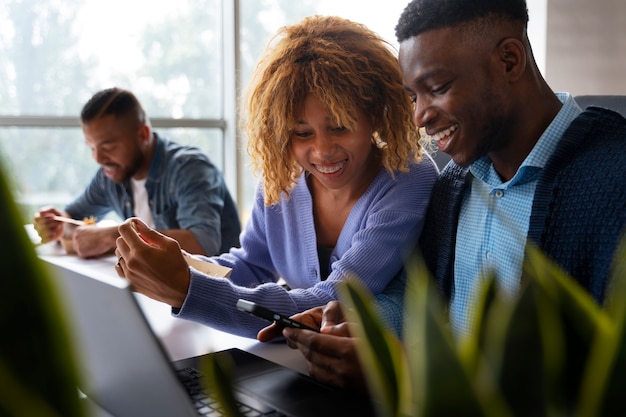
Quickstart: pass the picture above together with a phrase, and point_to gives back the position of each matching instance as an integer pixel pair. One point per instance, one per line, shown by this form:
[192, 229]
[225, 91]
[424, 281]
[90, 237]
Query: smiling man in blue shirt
[173, 188]
[528, 165]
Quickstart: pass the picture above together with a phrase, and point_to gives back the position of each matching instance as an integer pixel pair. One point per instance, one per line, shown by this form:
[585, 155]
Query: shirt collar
[541, 152]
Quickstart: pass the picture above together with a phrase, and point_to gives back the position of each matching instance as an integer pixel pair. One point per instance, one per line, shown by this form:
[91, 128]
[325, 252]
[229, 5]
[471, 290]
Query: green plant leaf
[17, 400]
[602, 393]
[32, 323]
[219, 382]
[471, 345]
[523, 337]
[581, 318]
[574, 302]
[442, 384]
[380, 352]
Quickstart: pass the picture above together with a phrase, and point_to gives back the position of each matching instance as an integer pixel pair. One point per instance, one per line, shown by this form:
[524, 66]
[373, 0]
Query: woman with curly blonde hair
[344, 186]
[349, 68]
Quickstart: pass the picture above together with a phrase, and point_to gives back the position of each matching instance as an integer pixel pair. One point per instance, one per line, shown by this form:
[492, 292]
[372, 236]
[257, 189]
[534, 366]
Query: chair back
[616, 103]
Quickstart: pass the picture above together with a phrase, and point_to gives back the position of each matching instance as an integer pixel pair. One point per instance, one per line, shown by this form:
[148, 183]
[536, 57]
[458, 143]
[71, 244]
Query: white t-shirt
[140, 197]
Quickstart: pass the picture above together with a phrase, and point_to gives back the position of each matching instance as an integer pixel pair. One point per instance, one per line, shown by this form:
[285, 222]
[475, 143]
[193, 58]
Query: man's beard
[134, 167]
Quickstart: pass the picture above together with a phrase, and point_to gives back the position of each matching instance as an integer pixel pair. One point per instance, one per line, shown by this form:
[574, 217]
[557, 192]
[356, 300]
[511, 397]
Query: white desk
[180, 338]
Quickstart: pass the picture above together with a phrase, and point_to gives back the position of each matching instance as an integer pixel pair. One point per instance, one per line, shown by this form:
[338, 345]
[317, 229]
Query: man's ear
[512, 55]
[144, 134]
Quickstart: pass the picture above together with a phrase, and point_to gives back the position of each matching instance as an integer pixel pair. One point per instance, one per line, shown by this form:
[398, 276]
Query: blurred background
[189, 60]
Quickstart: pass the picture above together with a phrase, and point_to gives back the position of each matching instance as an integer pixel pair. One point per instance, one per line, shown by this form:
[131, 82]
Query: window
[56, 54]
[185, 60]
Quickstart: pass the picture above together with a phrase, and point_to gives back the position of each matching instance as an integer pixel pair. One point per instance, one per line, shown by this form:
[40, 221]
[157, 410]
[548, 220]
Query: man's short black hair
[115, 101]
[422, 15]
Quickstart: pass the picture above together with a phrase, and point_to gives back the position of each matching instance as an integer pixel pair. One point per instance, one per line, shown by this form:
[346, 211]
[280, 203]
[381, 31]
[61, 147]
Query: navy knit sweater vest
[579, 209]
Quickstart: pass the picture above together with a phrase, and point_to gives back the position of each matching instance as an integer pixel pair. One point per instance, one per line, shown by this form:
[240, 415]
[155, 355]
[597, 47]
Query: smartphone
[269, 315]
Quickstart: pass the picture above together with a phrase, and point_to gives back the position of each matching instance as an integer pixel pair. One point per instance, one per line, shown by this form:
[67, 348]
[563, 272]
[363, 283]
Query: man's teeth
[329, 169]
[439, 135]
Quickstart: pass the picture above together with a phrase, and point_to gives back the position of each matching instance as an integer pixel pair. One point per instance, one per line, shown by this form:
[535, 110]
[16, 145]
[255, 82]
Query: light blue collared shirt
[494, 218]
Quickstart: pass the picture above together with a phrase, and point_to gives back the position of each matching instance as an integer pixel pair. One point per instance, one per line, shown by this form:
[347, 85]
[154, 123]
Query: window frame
[227, 124]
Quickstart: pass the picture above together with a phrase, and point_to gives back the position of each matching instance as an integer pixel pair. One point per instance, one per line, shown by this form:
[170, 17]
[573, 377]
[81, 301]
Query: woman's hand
[331, 354]
[312, 318]
[152, 262]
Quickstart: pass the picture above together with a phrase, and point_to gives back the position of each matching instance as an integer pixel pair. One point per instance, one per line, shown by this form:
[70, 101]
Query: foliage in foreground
[37, 371]
[550, 351]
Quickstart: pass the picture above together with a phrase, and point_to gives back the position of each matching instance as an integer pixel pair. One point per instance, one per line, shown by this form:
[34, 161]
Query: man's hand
[48, 229]
[91, 241]
[331, 354]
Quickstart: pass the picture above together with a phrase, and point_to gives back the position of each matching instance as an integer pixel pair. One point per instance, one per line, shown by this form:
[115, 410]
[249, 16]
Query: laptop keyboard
[208, 406]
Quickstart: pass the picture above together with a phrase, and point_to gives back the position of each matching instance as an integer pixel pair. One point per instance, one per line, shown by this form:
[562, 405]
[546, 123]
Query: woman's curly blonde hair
[348, 67]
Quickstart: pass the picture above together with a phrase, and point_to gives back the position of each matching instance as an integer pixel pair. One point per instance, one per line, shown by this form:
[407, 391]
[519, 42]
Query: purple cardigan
[279, 242]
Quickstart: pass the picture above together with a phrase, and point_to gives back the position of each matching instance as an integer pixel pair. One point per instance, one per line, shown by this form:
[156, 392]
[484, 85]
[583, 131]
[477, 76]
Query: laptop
[125, 369]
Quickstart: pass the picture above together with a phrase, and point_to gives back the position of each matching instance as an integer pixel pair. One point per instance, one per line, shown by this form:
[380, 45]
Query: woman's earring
[380, 144]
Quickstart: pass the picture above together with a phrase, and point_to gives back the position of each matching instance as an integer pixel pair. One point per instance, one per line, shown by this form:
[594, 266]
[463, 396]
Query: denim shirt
[185, 191]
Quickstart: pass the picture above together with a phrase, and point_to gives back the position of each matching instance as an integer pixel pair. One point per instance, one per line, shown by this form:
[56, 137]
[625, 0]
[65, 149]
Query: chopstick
[69, 220]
